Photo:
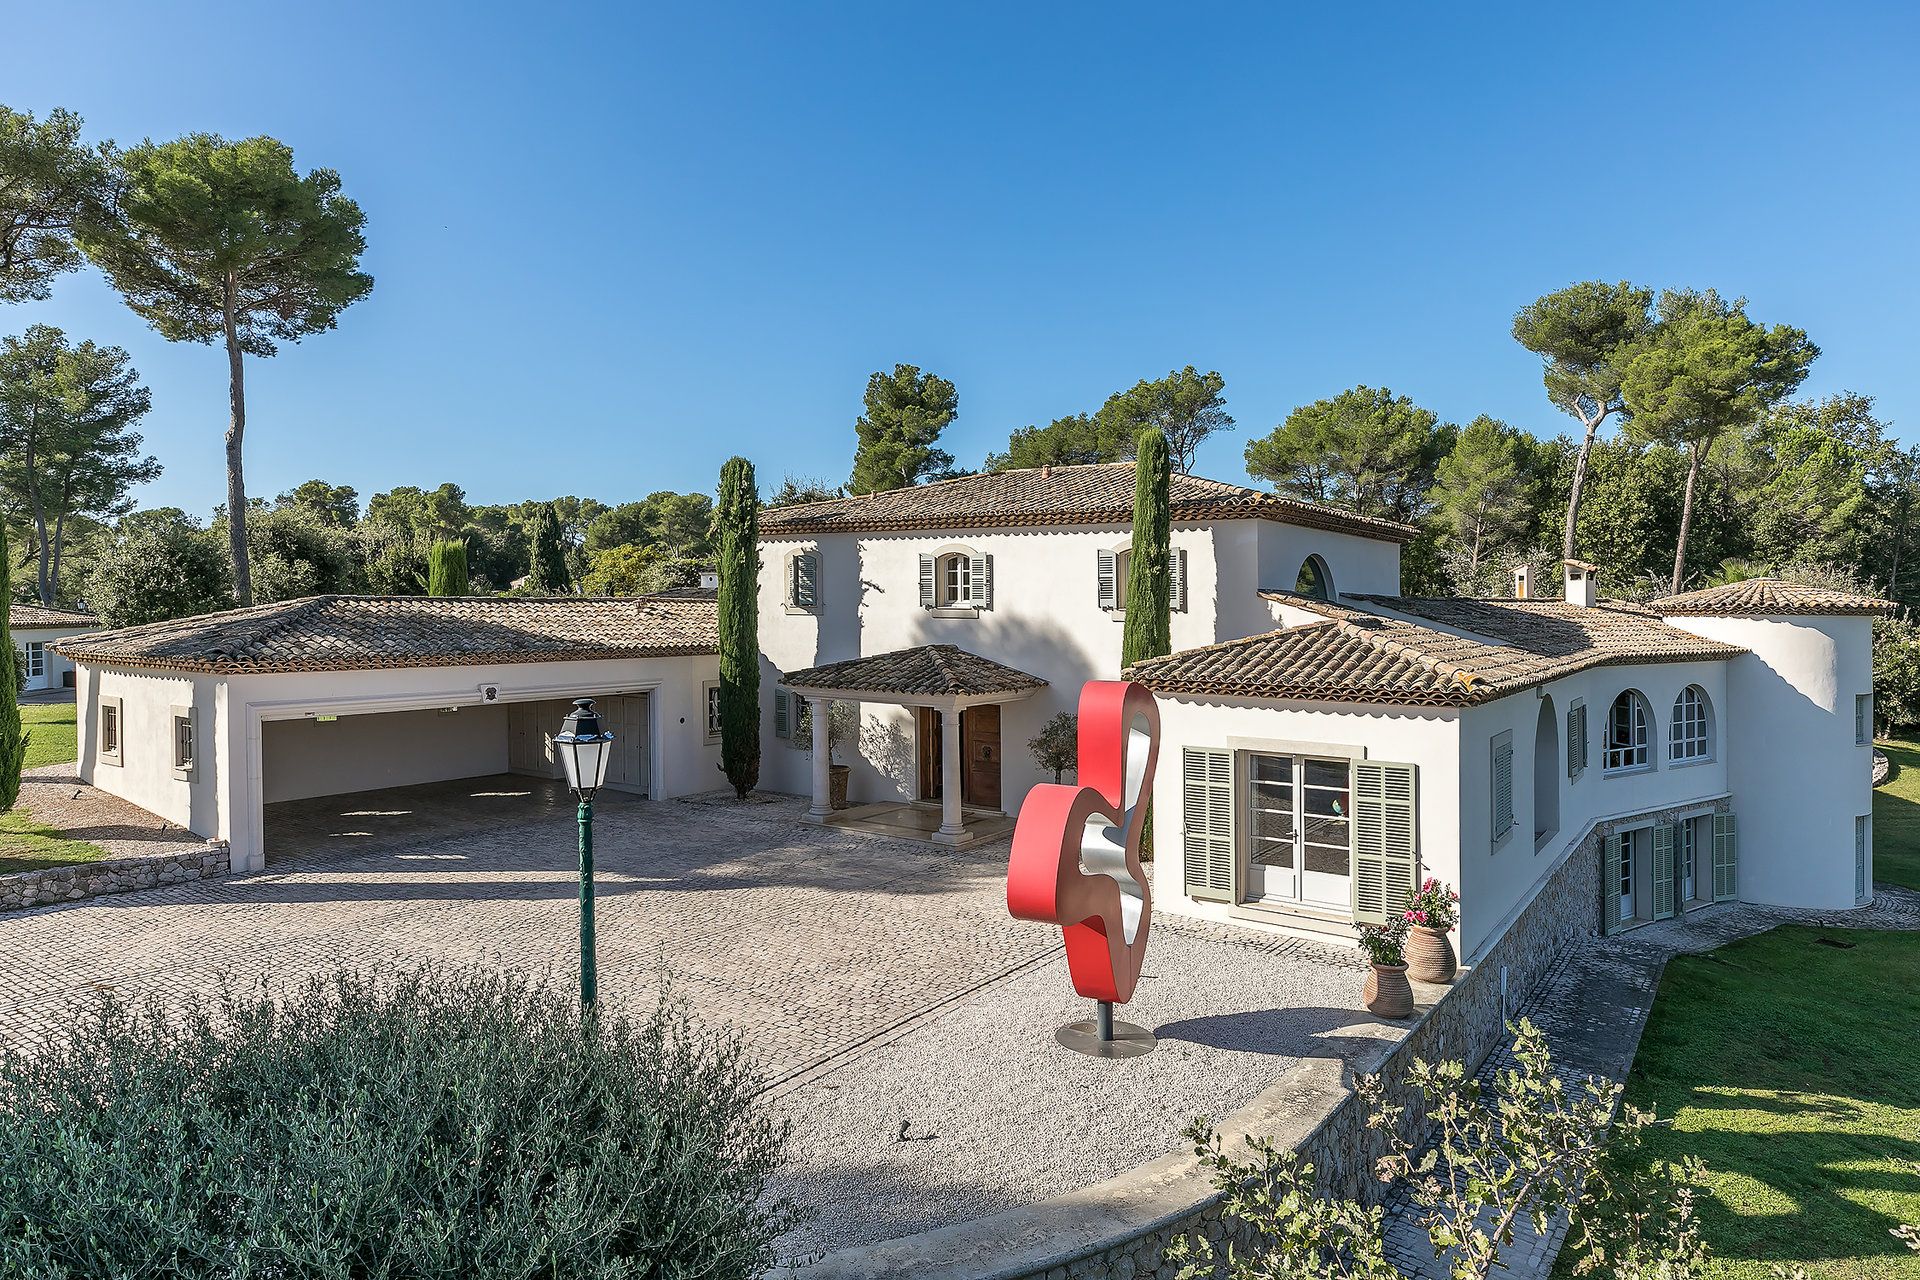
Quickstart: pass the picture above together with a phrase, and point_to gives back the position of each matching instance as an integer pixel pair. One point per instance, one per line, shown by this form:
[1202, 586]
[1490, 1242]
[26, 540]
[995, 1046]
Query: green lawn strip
[1788, 1067]
[26, 845]
[1896, 817]
[51, 734]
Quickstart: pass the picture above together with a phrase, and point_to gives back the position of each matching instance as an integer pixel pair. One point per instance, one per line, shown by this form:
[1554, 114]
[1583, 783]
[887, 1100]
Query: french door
[1300, 849]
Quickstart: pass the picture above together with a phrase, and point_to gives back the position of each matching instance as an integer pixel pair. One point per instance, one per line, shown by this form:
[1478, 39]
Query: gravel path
[54, 796]
[997, 1115]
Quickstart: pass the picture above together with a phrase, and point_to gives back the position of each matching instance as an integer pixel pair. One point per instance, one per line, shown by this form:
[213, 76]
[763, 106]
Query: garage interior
[335, 784]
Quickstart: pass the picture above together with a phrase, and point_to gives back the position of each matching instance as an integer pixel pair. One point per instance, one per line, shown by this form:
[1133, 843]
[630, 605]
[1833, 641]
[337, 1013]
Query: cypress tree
[447, 568]
[736, 519]
[549, 576]
[1149, 627]
[13, 743]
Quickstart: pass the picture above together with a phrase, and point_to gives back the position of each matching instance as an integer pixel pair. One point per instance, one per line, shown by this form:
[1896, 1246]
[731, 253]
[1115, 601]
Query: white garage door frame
[258, 713]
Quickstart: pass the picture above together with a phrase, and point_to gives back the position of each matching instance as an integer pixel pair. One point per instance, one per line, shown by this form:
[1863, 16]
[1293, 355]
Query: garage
[293, 728]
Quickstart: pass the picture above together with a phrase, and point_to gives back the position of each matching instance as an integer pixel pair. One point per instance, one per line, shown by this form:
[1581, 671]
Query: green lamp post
[585, 747]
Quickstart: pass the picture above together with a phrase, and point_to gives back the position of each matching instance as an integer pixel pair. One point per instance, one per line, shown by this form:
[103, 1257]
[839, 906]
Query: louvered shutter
[782, 715]
[1385, 857]
[806, 580]
[1206, 785]
[1726, 858]
[981, 588]
[1177, 580]
[1861, 845]
[1610, 883]
[1663, 871]
[1108, 578]
[1502, 788]
[926, 582]
[1577, 740]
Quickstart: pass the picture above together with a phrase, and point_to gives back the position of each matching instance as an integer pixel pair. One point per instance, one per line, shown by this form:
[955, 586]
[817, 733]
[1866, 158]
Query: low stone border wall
[85, 880]
[1120, 1228]
[1881, 766]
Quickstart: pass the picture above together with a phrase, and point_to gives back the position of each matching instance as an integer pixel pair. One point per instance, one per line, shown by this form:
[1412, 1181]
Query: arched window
[1314, 581]
[1691, 735]
[1627, 732]
[953, 577]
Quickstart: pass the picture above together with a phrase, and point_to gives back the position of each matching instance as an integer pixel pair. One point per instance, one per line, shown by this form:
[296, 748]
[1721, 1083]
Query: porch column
[951, 831]
[821, 709]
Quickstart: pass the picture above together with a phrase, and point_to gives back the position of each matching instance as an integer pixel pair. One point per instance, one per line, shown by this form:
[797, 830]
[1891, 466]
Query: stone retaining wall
[110, 875]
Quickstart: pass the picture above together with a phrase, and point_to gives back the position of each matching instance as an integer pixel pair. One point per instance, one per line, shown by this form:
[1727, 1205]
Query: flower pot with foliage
[1388, 994]
[1431, 915]
[837, 775]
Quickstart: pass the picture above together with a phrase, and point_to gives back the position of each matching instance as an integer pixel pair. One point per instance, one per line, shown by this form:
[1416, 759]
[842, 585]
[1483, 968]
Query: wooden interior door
[980, 736]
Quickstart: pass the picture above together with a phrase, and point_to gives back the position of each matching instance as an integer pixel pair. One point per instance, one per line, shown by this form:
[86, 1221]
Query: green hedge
[392, 1125]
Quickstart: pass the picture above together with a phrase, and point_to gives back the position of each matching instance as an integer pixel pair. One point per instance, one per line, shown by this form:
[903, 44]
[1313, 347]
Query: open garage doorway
[341, 784]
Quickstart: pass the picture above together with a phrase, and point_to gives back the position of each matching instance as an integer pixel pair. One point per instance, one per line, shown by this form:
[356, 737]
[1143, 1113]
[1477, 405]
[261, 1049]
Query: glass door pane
[1326, 802]
[1273, 830]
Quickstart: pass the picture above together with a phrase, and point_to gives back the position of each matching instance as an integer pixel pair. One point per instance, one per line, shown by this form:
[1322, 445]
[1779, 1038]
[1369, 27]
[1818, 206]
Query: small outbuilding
[36, 629]
[205, 720]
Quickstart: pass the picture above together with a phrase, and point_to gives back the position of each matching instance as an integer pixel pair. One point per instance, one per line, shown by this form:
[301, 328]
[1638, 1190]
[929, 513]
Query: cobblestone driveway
[807, 940]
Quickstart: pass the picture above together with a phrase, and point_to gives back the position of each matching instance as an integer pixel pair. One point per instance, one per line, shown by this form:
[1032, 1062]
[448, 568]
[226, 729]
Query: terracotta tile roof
[1365, 657]
[1768, 597]
[354, 633]
[936, 670]
[33, 615]
[1099, 493]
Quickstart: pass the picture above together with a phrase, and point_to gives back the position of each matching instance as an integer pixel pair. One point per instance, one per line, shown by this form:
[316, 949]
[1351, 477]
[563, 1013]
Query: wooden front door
[980, 738]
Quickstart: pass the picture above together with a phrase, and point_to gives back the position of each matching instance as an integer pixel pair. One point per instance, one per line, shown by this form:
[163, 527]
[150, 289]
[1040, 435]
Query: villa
[36, 629]
[1327, 742]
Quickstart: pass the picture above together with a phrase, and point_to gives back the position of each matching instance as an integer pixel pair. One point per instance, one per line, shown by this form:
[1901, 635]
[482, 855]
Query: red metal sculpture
[1076, 850]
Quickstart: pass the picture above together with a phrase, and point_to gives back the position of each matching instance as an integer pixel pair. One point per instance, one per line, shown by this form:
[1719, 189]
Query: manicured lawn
[1896, 817]
[52, 738]
[1788, 1066]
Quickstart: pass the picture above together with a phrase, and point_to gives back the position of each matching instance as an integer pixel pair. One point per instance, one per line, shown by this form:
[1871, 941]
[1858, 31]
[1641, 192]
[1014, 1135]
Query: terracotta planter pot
[1388, 993]
[837, 784]
[1430, 955]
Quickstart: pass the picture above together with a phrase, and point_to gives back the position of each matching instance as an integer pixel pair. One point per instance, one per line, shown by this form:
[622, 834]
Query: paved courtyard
[810, 941]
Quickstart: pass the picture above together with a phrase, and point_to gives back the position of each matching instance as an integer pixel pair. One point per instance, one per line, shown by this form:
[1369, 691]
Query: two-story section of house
[961, 616]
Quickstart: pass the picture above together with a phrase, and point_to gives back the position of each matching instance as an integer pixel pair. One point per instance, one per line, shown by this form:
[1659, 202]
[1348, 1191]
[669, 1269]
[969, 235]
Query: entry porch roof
[928, 675]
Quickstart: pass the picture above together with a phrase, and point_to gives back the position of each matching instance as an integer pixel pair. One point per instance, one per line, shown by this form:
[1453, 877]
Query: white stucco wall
[1495, 879]
[1425, 738]
[1045, 620]
[1798, 778]
[56, 665]
[238, 727]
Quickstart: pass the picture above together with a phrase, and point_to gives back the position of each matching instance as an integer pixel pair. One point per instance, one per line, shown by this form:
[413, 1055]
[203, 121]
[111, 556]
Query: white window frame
[953, 580]
[1639, 730]
[36, 659]
[115, 754]
[710, 707]
[1502, 824]
[1692, 748]
[183, 769]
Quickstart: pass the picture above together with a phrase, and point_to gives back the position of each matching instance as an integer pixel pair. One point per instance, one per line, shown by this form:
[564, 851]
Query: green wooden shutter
[1576, 740]
[1610, 883]
[1177, 592]
[926, 582]
[1663, 871]
[782, 715]
[1206, 785]
[981, 581]
[1502, 787]
[1726, 858]
[1861, 844]
[1106, 579]
[1385, 855]
[806, 580]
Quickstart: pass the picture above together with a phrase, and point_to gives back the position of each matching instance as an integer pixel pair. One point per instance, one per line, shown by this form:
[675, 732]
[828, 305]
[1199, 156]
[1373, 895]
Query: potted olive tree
[1388, 994]
[843, 726]
[1431, 915]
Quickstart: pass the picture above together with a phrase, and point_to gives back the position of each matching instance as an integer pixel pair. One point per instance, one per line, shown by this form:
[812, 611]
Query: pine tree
[549, 576]
[447, 568]
[737, 521]
[13, 743]
[1149, 628]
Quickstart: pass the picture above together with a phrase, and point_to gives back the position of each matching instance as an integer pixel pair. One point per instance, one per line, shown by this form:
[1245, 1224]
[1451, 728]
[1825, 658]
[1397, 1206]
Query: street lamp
[585, 746]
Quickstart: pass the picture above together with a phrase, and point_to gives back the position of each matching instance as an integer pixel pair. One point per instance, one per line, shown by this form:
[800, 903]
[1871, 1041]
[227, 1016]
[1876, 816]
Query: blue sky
[615, 245]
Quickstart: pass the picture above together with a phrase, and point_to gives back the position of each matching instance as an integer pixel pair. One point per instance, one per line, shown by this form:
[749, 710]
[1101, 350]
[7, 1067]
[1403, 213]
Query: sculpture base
[1127, 1040]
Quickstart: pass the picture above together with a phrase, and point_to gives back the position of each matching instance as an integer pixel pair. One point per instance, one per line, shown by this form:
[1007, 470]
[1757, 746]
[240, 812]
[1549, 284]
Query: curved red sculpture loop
[1076, 850]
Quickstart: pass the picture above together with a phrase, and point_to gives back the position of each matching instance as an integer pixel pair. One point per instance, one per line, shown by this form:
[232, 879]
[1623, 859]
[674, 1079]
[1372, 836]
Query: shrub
[393, 1124]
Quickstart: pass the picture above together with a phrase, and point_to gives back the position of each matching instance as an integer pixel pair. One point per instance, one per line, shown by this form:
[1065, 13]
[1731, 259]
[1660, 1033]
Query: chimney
[1522, 582]
[1046, 471]
[1583, 583]
[709, 580]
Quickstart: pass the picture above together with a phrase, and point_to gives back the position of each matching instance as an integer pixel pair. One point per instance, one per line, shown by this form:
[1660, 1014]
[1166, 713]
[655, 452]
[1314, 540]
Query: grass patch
[26, 845]
[1788, 1067]
[53, 737]
[1896, 817]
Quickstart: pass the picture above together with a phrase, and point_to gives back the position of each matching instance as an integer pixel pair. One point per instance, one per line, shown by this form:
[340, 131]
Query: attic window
[1313, 581]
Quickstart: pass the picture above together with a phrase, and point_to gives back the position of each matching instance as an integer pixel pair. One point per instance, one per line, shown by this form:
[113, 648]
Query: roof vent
[1583, 583]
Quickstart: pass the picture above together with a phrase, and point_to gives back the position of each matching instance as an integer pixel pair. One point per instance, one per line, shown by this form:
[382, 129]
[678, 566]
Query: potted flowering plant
[1387, 994]
[1431, 915]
